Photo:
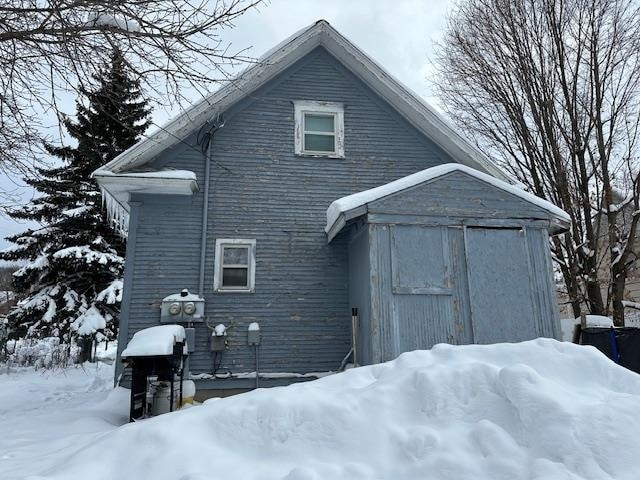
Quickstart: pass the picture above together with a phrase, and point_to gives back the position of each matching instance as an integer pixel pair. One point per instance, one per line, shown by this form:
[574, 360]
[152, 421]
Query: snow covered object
[73, 278]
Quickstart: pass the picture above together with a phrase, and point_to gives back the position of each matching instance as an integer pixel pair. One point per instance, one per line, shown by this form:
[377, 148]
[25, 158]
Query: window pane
[236, 256]
[319, 143]
[235, 277]
[318, 123]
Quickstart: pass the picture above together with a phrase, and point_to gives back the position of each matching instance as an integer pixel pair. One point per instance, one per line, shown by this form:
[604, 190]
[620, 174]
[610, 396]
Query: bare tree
[52, 46]
[550, 88]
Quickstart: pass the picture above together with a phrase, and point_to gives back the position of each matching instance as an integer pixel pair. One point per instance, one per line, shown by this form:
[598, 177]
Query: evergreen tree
[72, 282]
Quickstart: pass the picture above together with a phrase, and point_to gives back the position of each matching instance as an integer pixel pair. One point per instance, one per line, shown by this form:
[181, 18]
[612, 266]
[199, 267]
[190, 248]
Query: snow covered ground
[48, 415]
[539, 410]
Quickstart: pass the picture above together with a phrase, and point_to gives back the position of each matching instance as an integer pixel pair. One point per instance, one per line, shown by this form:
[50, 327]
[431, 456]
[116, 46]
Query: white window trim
[323, 108]
[217, 273]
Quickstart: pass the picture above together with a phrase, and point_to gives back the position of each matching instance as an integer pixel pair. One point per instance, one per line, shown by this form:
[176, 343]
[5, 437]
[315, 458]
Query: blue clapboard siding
[458, 194]
[261, 190]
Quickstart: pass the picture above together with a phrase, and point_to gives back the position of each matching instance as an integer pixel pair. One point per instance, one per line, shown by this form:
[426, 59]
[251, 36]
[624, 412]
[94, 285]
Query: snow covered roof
[276, 60]
[154, 341]
[345, 208]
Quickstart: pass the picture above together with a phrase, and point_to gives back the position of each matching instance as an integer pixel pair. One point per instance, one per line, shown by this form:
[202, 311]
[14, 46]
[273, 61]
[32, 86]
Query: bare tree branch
[551, 88]
[54, 46]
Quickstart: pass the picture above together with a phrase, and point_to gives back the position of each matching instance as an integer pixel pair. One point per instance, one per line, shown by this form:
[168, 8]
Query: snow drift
[537, 410]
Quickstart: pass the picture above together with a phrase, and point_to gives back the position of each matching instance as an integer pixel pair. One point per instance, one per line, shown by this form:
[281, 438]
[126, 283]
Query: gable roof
[352, 206]
[275, 61]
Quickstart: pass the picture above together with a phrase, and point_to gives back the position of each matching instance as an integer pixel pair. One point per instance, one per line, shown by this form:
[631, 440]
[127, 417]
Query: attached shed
[448, 254]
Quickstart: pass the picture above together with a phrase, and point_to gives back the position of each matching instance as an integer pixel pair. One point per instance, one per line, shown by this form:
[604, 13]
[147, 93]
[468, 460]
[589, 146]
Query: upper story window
[235, 261]
[319, 129]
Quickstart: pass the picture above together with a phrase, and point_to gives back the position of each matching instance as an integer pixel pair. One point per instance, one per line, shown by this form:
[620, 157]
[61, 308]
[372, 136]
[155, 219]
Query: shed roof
[352, 206]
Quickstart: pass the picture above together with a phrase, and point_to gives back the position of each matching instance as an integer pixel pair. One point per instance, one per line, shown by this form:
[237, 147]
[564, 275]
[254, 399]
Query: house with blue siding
[319, 213]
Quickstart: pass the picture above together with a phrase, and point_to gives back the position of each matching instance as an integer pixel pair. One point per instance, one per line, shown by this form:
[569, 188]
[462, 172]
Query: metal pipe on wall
[207, 140]
[205, 214]
[257, 369]
[354, 335]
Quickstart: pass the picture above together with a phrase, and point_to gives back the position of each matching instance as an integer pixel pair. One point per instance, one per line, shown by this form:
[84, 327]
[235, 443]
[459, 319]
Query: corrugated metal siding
[261, 190]
[503, 306]
[541, 277]
[384, 334]
[422, 288]
[423, 321]
[420, 264]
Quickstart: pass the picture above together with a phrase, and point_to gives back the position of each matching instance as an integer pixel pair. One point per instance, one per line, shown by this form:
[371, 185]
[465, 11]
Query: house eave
[121, 186]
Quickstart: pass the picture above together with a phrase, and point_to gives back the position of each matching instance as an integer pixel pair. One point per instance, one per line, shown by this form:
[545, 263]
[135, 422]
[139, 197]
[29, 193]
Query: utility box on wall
[182, 307]
[218, 338]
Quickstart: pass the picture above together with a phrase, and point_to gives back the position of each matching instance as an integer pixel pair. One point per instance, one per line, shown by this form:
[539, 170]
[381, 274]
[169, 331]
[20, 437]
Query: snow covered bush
[49, 352]
[40, 353]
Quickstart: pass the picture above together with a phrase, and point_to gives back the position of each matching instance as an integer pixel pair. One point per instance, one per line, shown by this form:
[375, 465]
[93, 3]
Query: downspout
[205, 215]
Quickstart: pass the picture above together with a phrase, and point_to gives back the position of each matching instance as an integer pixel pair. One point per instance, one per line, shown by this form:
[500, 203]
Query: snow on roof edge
[350, 202]
[168, 174]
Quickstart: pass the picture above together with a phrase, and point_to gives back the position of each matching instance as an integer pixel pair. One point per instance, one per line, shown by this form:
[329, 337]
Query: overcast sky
[398, 34]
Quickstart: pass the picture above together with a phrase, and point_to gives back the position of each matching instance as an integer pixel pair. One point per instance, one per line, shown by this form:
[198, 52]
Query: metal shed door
[499, 285]
[422, 288]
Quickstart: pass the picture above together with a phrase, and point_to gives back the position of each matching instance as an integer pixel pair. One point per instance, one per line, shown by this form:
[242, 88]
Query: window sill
[233, 290]
[336, 156]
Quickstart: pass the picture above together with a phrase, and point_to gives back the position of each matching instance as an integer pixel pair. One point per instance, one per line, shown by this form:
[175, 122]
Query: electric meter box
[182, 307]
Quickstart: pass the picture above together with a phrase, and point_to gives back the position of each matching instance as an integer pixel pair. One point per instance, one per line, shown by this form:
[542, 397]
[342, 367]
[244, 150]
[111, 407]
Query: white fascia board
[276, 60]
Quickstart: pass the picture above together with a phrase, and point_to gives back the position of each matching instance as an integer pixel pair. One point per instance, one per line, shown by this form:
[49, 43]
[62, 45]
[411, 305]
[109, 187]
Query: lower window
[234, 265]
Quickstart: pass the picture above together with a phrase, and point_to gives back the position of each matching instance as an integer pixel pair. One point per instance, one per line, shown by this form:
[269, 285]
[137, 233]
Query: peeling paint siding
[463, 327]
[503, 304]
[261, 190]
[548, 316]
